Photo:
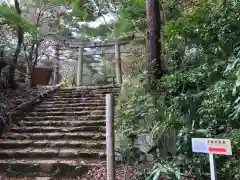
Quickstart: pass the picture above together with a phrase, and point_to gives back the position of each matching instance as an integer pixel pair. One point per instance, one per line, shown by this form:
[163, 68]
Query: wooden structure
[117, 51]
[42, 75]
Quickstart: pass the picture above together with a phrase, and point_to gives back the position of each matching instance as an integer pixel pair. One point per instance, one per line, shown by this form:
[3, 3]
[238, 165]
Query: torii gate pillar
[118, 63]
[80, 66]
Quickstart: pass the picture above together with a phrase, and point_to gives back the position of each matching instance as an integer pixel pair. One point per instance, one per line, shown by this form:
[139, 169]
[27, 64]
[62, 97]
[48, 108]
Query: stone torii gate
[117, 51]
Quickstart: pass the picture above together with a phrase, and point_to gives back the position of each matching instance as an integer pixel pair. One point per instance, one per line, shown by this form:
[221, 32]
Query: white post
[80, 66]
[212, 167]
[118, 63]
[111, 175]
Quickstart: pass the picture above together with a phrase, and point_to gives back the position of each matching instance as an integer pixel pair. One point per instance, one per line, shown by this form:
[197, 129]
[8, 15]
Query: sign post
[212, 146]
[212, 167]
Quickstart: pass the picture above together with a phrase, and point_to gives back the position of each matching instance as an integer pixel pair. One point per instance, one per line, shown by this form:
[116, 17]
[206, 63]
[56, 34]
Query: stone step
[62, 137]
[88, 89]
[52, 153]
[57, 135]
[66, 113]
[16, 144]
[81, 108]
[73, 101]
[38, 129]
[47, 167]
[75, 95]
[62, 123]
[68, 118]
[78, 104]
[102, 90]
[81, 94]
[90, 93]
[74, 98]
[78, 95]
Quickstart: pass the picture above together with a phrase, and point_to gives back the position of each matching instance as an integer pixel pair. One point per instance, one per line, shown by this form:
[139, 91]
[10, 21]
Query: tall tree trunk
[31, 75]
[11, 75]
[2, 63]
[29, 66]
[33, 51]
[56, 72]
[153, 42]
[30, 63]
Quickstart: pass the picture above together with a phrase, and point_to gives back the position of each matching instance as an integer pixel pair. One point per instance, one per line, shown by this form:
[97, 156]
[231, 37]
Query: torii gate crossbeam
[117, 53]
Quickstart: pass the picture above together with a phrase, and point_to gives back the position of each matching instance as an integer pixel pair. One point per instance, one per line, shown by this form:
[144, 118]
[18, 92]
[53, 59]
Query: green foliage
[199, 94]
[9, 16]
[100, 31]
[231, 167]
[164, 170]
[132, 15]
[136, 109]
[84, 10]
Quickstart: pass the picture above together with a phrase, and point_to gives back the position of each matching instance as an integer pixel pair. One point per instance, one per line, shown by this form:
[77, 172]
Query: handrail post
[110, 140]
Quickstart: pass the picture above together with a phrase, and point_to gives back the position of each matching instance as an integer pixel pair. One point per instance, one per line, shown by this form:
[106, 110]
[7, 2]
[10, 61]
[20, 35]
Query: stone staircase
[62, 137]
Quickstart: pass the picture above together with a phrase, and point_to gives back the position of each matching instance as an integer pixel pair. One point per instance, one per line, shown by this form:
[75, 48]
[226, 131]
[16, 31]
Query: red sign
[219, 146]
[217, 150]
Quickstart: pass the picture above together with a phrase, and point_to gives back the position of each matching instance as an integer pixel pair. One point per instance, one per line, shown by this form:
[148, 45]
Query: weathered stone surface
[42, 114]
[52, 109]
[43, 152]
[75, 101]
[77, 95]
[144, 142]
[68, 152]
[48, 167]
[28, 153]
[76, 104]
[70, 117]
[18, 144]
[55, 123]
[15, 143]
[53, 135]
[15, 136]
[97, 112]
[48, 129]
[86, 135]
[43, 178]
[74, 98]
[40, 143]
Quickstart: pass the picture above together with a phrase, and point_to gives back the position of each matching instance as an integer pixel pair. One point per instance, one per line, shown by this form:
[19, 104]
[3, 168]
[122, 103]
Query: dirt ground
[10, 99]
[123, 172]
